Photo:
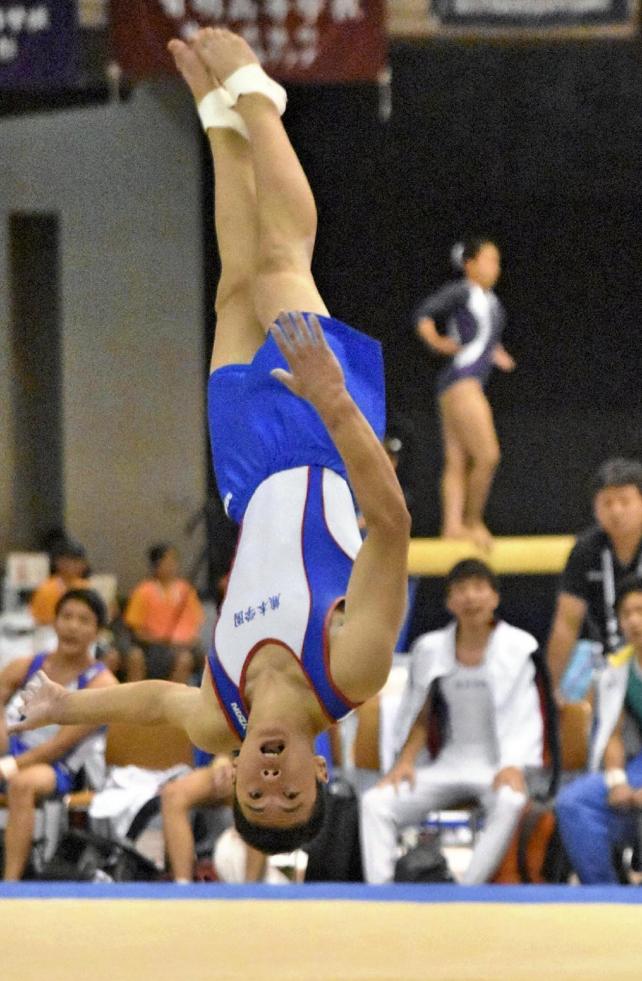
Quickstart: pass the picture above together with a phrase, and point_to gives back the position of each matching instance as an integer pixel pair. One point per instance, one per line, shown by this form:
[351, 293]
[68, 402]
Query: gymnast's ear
[321, 769]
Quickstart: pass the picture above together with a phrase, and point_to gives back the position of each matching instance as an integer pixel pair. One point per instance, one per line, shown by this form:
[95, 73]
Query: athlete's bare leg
[287, 218]
[453, 484]
[238, 332]
[25, 790]
[178, 797]
[467, 412]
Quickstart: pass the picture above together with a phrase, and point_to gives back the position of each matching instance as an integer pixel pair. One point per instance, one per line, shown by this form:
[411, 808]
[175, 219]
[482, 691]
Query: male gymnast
[311, 615]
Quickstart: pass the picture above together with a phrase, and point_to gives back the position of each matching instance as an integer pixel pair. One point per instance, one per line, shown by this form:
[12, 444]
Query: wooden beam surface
[522, 555]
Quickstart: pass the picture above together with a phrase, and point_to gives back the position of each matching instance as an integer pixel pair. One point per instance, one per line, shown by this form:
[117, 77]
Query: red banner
[295, 40]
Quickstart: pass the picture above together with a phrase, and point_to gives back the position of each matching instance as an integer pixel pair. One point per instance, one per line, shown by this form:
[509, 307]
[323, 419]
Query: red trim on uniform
[326, 654]
[332, 608]
[228, 717]
[278, 643]
[250, 654]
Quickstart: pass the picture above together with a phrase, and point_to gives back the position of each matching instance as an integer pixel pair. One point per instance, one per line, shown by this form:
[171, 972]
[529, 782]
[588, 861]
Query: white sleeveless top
[297, 545]
[87, 755]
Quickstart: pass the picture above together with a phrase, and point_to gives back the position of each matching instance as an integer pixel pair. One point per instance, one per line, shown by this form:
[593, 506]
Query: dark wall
[538, 147]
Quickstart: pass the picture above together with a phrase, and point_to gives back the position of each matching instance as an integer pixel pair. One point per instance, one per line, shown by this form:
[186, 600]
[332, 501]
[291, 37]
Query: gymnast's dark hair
[462, 252]
[472, 569]
[278, 841]
[92, 601]
[67, 548]
[618, 472]
[158, 552]
[630, 584]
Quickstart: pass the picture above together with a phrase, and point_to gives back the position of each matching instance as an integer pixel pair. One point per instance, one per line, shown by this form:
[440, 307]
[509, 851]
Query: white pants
[230, 856]
[443, 784]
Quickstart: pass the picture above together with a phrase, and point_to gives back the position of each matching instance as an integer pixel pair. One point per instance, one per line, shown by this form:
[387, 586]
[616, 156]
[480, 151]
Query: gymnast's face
[472, 601]
[486, 267]
[630, 615]
[275, 778]
[619, 511]
[76, 627]
[70, 567]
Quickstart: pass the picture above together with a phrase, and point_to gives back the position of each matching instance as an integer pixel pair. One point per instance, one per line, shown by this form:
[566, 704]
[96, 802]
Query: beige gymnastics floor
[119, 940]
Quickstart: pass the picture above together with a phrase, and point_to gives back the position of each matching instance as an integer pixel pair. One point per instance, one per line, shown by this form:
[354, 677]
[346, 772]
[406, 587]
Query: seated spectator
[46, 762]
[601, 810]
[472, 700]
[114, 643]
[601, 558]
[69, 569]
[165, 616]
[207, 786]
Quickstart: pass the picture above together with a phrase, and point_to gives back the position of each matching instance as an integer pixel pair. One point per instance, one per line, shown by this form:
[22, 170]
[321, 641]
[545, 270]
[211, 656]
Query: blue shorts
[258, 427]
[65, 780]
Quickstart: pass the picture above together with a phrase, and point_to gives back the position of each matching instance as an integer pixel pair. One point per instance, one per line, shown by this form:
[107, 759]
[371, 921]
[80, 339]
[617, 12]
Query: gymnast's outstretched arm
[375, 601]
[140, 703]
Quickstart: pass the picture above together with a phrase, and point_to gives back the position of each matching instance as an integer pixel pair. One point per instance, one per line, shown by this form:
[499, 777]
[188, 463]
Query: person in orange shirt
[69, 570]
[165, 616]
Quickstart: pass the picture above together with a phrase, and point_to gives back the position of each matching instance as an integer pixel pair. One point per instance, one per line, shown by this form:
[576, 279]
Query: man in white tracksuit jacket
[472, 700]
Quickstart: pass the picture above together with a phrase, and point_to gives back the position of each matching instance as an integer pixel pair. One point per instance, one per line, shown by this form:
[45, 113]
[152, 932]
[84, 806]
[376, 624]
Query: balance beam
[524, 555]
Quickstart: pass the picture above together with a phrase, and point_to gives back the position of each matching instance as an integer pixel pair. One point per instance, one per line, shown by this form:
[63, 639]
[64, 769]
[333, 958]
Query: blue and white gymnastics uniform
[281, 477]
[475, 319]
[88, 755]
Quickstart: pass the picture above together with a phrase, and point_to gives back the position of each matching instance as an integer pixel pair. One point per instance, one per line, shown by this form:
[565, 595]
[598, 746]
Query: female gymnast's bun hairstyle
[457, 256]
[462, 252]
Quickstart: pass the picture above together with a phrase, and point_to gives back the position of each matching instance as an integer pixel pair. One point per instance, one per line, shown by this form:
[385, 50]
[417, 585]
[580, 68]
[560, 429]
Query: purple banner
[38, 44]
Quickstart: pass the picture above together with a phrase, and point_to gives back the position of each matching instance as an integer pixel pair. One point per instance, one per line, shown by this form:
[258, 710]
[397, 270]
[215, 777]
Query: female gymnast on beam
[473, 319]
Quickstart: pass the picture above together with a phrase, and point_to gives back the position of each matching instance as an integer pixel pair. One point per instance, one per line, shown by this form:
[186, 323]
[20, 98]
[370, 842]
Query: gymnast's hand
[222, 771]
[402, 772]
[315, 374]
[39, 704]
[503, 360]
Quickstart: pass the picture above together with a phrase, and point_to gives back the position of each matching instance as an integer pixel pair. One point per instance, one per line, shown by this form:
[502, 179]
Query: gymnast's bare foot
[192, 68]
[223, 52]
[481, 536]
[455, 532]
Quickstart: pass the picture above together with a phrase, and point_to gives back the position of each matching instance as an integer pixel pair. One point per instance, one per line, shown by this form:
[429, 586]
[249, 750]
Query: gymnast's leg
[238, 333]
[467, 414]
[287, 218]
[453, 483]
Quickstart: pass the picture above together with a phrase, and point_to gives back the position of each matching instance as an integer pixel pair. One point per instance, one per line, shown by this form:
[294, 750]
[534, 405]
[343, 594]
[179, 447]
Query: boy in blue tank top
[36, 765]
[295, 405]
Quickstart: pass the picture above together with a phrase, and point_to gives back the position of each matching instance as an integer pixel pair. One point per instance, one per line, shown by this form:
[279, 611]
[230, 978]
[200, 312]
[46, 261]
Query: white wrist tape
[8, 767]
[215, 112]
[252, 80]
[615, 778]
